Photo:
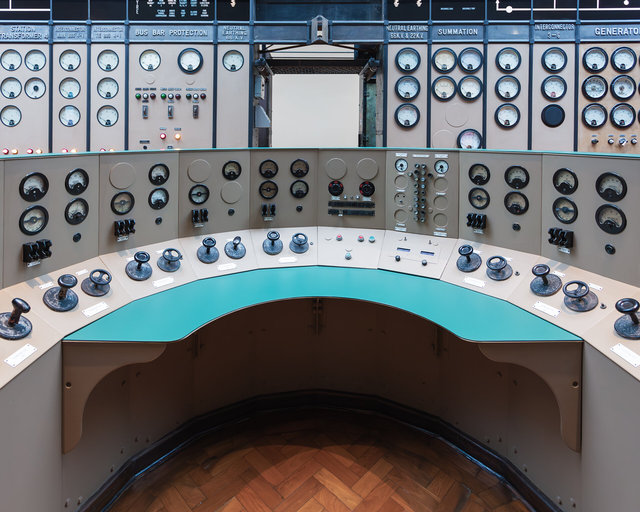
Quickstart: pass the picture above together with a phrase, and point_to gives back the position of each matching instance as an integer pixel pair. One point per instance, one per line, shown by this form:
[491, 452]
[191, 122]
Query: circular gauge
[594, 87]
[623, 87]
[69, 60]
[34, 187]
[444, 60]
[407, 87]
[336, 188]
[470, 88]
[190, 60]
[76, 211]
[565, 210]
[516, 177]
[10, 60]
[552, 115]
[69, 115]
[231, 170]
[268, 189]
[69, 88]
[76, 182]
[516, 203]
[508, 87]
[11, 88]
[198, 194]
[407, 59]
[507, 115]
[469, 139]
[158, 198]
[565, 181]
[299, 189]
[554, 87]
[479, 174]
[554, 59]
[35, 60]
[107, 115]
[623, 59]
[122, 203]
[10, 115]
[622, 115]
[149, 60]
[470, 60]
[107, 88]
[268, 169]
[299, 168]
[611, 187]
[441, 166]
[479, 198]
[595, 59]
[233, 60]
[367, 188]
[108, 60]
[444, 88]
[33, 220]
[508, 59]
[594, 115]
[611, 219]
[159, 174]
[401, 165]
[407, 115]
[35, 88]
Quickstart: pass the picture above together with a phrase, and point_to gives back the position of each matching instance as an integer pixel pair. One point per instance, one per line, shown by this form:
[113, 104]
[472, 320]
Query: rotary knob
[139, 269]
[628, 325]
[498, 269]
[272, 245]
[468, 260]
[13, 326]
[62, 298]
[578, 297]
[544, 284]
[235, 249]
[97, 284]
[299, 243]
[170, 260]
[207, 252]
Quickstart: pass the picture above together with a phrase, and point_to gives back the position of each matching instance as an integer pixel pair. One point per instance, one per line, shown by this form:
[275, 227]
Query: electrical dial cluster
[554, 85]
[407, 87]
[507, 88]
[515, 176]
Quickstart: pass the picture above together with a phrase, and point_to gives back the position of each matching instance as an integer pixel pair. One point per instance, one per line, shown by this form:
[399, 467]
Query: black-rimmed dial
[122, 203]
[444, 88]
[611, 219]
[554, 87]
[299, 168]
[34, 187]
[407, 60]
[594, 115]
[76, 211]
[565, 210]
[407, 115]
[159, 174]
[158, 198]
[623, 87]
[231, 170]
[33, 220]
[623, 59]
[407, 87]
[268, 189]
[444, 60]
[76, 182]
[554, 59]
[516, 177]
[470, 60]
[622, 115]
[268, 169]
[479, 174]
[611, 187]
[508, 60]
[595, 59]
[507, 115]
[469, 139]
[299, 189]
[198, 194]
[190, 60]
[594, 87]
[516, 203]
[479, 198]
[470, 88]
[565, 181]
[508, 87]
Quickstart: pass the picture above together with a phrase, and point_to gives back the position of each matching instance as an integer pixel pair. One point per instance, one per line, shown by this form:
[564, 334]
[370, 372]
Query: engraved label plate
[163, 282]
[545, 308]
[20, 355]
[95, 309]
[475, 282]
[627, 354]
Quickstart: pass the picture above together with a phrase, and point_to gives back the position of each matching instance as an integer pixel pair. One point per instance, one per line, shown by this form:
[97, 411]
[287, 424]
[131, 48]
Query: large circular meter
[508, 87]
[508, 60]
[622, 115]
[69, 60]
[623, 59]
[10, 116]
[69, 88]
[469, 139]
[444, 88]
[554, 87]
[595, 60]
[107, 115]
[35, 60]
[190, 60]
[108, 60]
[565, 210]
[107, 88]
[611, 187]
[407, 87]
[149, 60]
[507, 115]
[10, 60]
[35, 88]
[594, 87]
[69, 115]
[594, 115]
[623, 87]
[479, 174]
[554, 59]
[444, 60]
[611, 219]
[33, 220]
[233, 60]
[565, 181]
[470, 88]
[470, 60]
[516, 177]
[407, 60]
[11, 87]
[407, 115]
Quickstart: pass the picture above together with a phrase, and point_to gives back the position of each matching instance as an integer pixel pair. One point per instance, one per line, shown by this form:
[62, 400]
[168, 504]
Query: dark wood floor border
[313, 400]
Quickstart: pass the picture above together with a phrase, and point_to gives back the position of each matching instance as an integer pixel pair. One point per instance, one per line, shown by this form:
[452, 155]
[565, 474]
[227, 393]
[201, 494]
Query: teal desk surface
[173, 314]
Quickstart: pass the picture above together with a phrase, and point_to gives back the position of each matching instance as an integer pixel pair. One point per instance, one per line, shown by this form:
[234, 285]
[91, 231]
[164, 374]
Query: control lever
[299, 243]
[62, 298]
[207, 252]
[13, 326]
[139, 269]
[544, 284]
[272, 245]
[468, 260]
[97, 284]
[498, 269]
[578, 297]
[170, 260]
[235, 249]
[628, 325]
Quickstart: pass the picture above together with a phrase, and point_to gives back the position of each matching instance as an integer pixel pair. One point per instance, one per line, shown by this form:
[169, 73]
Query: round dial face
[622, 115]
[149, 60]
[469, 139]
[516, 177]
[444, 88]
[76, 211]
[233, 60]
[554, 60]
[401, 165]
[231, 170]
[76, 182]
[407, 87]
[611, 187]
[594, 115]
[441, 166]
[10, 60]
[611, 219]
[33, 220]
[198, 194]
[268, 189]
[479, 174]
[507, 115]
[335, 188]
[10, 115]
[623, 59]
[299, 189]
[595, 59]
[69, 60]
[594, 87]
[69, 88]
[122, 203]
[470, 88]
[107, 88]
[107, 115]
[470, 60]
[407, 59]
[11, 87]
[508, 87]
[407, 115]
[623, 87]
[565, 181]
[190, 60]
[565, 210]
[34, 187]
[35, 88]
[444, 60]
[108, 60]
[158, 198]
[508, 59]
[35, 60]
[268, 169]
[554, 87]
[159, 174]
[299, 168]
[479, 198]
[516, 203]
[69, 115]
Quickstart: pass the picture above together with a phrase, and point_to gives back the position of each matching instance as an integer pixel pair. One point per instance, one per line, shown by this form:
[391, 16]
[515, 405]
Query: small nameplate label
[33, 264]
[107, 33]
[70, 33]
[439, 233]
[289, 259]
[201, 33]
[596, 287]
[95, 309]
[554, 31]
[564, 250]
[401, 154]
[122, 238]
[46, 285]
[163, 282]
[24, 33]
[627, 354]
[558, 273]
[20, 355]
[419, 32]
[233, 33]
[420, 156]
[82, 272]
[400, 228]
[475, 282]
[441, 155]
[227, 266]
[545, 308]
[478, 231]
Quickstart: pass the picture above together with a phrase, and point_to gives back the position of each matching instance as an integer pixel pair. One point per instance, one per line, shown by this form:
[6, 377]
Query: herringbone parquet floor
[316, 462]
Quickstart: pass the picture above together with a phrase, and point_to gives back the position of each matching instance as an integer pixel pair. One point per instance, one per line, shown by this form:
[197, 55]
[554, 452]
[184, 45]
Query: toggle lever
[62, 298]
[14, 326]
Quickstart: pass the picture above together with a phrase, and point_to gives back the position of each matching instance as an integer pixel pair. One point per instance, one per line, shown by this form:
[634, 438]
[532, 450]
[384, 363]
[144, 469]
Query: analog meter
[507, 115]
[190, 60]
[107, 88]
[469, 139]
[108, 60]
[69, 60]
[623, 87]
[69, 115]
[407, 60]
[233, 60]
[595, 59]
[470, 88]
[407, 87]
[554, 87]
[107, 115]
[69, 88]
[35, 60]
[508, 87]
[594, 115]
[149, 60]
[35, 88]
[508, 60]
[554, 59]
[407, 115]
[470, 60]
[11, 87]
[623, 59]
[10, 115]
[594, 87]
[444, 60]
[10, 60]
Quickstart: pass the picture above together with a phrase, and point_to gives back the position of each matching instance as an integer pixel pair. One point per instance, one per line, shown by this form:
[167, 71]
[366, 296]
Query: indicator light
[102, 149]
[178, 96]
[74, 150]
[153, 95]
[163, 136]
[14, 151]
[202, 96]
[38, 151]
[64, 150]
[5, 151]
[29, 151]
[170, 96]
[138, 95]
[178, 136]
[163, 95]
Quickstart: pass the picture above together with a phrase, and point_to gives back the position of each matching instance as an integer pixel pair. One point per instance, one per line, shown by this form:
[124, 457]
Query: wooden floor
[319, 462]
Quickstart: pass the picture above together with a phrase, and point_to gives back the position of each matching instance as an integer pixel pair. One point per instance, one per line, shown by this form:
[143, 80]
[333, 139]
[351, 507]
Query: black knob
[496, 263]
[541, 271]
[397, 257]
[100, 277]
[299, 238]
[466, 251]
[576, 289]
[65, 282]
[578, 297]
[20, 306]
[171, 255]
[629, 307]
[273, 236]
[141, 258]
[209, 243]
[97, 284]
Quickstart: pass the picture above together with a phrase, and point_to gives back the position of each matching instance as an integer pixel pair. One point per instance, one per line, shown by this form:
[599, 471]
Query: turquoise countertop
[173, 314]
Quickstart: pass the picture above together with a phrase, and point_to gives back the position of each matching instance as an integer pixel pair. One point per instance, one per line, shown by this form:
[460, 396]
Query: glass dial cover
[76, 211]
[508, 59]
[198, 194]
[611, 187]
[158, 198]
[233, 60]
[401, 165]
[594, 87]
[407, 87]
[623, 59]
[299, 168]
[107, 88]
[122, 203]
[516, 177]
[516, 203]
[268, 189]
[470, 60]
[69, 88]
[479, 174]
[594, 115]
[69, 60]
[441, 166]
[11, 87]
[69, 115]
[159, 174]
[107, 115]
[35, 60]
[444, 60]
[10, 115]
[554, 87]
[554, 59]
[470, 88]
[611, 219]
[108, 60]
[444, 88]
[268, 169]
[507, 115]
[231, 170]
[34, 186]
[565, 181]
[35, 88]
[190, 60]
[407, 59]
[565, 210]
[10, 60]
[508, 87]
[469, 139]
[479, 198]
[149, 60]
[622, 115]
[407, 115]
[623, 87]
[595, 59]
[33, 220]
[299, 189]
[76, 182]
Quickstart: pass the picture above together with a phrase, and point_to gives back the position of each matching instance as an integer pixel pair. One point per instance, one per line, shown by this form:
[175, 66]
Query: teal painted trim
[173, 314]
